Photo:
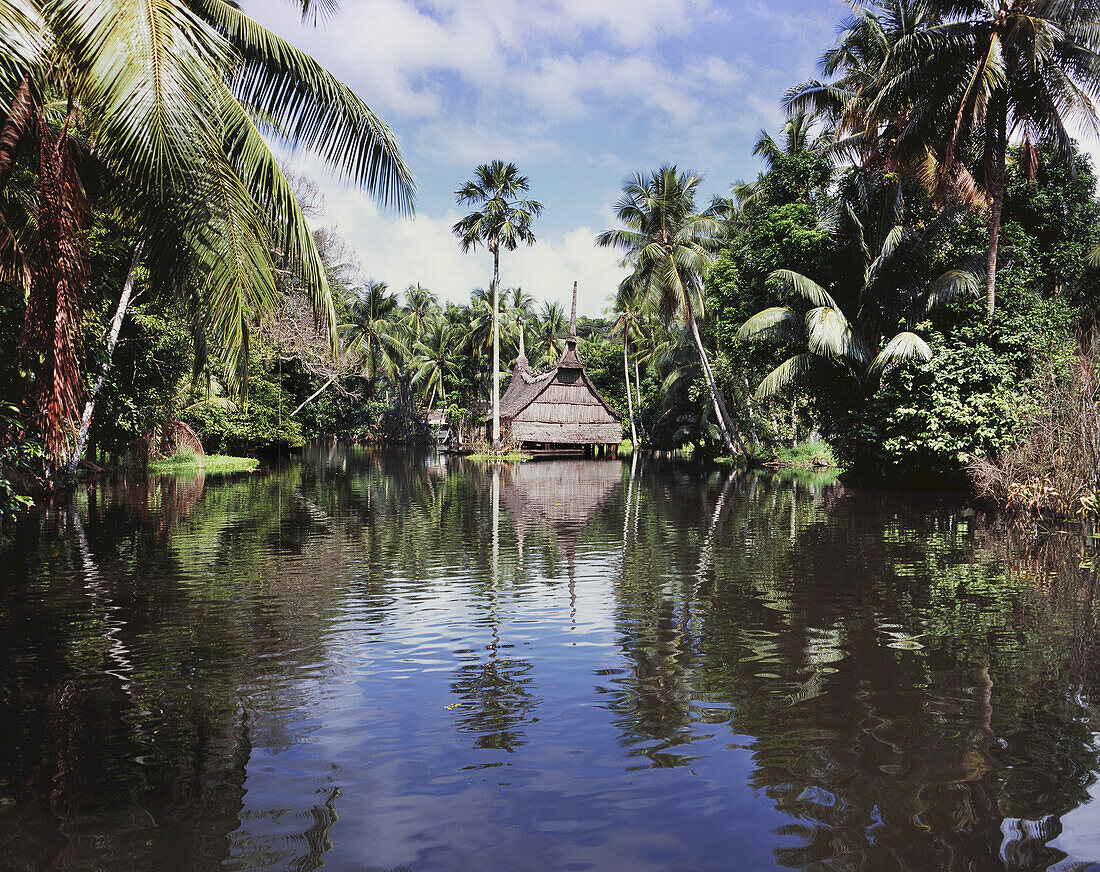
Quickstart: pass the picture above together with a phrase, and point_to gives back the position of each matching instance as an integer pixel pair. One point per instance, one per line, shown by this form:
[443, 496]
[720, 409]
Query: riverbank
[186, 461]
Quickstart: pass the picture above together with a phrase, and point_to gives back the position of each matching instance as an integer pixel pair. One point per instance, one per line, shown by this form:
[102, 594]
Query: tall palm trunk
[112, 341]
[998, 184]
[496, 348]
[49, 345]
[629, 398]
[725, 425]
[638, 388]
[15, 125]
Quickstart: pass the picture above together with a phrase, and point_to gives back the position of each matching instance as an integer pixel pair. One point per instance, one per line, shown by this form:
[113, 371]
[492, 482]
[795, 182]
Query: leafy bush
[260, 423]
[928, 421]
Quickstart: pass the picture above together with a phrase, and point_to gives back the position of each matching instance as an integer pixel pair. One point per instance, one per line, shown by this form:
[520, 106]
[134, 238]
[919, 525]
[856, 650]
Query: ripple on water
[366, 661]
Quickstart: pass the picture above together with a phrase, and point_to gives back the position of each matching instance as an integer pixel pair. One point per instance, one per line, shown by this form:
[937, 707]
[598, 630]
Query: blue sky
[578, 93]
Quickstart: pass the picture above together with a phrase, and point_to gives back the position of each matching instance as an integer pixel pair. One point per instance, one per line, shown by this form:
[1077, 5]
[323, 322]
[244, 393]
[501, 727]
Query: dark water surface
[369, 661]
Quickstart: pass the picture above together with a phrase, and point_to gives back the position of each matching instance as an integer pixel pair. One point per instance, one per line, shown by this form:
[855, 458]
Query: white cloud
[397, 53]
[401, 252]
[462, 143]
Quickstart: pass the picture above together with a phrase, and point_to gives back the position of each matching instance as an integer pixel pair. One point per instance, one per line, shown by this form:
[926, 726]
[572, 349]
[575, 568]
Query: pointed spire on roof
[569, 358]
[521, 361]
[573, 315]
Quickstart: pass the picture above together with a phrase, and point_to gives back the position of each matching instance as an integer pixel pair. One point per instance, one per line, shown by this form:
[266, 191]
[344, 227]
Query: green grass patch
[808, 455]
[188, 460]
[510, 457]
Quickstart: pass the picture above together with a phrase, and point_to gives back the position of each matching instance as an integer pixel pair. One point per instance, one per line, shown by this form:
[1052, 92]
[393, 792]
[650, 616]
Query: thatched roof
[567, 383]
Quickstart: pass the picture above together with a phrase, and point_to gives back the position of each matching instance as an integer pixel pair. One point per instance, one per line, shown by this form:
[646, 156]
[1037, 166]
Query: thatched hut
[560, 407]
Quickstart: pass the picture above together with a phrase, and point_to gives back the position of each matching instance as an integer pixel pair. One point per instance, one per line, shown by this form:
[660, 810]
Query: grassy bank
[807, 455]
[186, 461]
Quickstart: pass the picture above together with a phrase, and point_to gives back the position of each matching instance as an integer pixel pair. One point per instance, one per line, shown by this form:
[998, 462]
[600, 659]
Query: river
[379, 661]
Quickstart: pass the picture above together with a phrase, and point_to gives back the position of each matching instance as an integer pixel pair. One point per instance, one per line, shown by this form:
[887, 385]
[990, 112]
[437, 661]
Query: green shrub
[927, 421]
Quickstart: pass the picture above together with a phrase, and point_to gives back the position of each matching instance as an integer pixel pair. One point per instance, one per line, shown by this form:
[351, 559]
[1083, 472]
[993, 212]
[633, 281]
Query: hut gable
[560, 406]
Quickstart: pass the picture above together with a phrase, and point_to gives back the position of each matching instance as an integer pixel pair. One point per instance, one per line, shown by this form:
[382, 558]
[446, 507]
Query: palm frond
[830, 335]
[786, 374]
[904, 346]
[777, 324]
[804, 287]
[316, 110]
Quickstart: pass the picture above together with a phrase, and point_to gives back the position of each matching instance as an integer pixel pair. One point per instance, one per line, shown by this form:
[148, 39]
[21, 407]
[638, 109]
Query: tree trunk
[496, 349]
[312, 397]
[112, 341]
[729, 433]
[629, 398]
[49, 345]
[995, 213]
[15, 125]
[638, 386]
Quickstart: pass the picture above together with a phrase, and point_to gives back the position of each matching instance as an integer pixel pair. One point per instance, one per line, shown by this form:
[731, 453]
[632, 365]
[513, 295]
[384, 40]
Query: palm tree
[894, 292]
[862, 126]
[670, 248]
[550, 326]
[632, 305]
[799, 138]
[433, 360]
[421, 307]
[517, 312]
[503, 220]
[375, 335]
[866, 40]
[174, 100]
[1008, 70]
[479, 335]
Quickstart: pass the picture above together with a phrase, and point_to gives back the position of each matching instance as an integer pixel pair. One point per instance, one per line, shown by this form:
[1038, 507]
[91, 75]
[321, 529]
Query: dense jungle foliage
[897, 284]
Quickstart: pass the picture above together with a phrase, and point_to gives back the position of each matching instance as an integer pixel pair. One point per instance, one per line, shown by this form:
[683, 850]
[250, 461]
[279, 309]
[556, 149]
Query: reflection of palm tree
[495, 687]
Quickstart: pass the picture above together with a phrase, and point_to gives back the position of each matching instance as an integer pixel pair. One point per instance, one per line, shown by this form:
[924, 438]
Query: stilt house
[560, 407]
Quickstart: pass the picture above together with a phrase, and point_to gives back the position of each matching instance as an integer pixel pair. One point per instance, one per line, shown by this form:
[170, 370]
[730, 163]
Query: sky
[579, 94]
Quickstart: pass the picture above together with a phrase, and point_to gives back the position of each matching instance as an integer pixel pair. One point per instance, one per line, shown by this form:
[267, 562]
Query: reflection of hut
[562, 496]
[558, 407]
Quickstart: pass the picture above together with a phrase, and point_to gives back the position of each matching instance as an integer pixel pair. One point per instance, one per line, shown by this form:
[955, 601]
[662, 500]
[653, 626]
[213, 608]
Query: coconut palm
[1006, 70]
[894, 292]
[670, 249]
[633, 307]
[420, 309]
[800, 137]
[174, 100]
[375, 334]
[863, 127]
[551, 326]
[518, 312]
[433, 360]
[478, 338]
[856, 65]
[503, 221]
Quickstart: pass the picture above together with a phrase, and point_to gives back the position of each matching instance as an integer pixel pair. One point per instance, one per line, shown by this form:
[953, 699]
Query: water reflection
[377, 660]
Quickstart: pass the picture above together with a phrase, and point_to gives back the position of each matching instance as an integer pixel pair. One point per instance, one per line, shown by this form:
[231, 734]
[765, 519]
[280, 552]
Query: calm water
[383, 662]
